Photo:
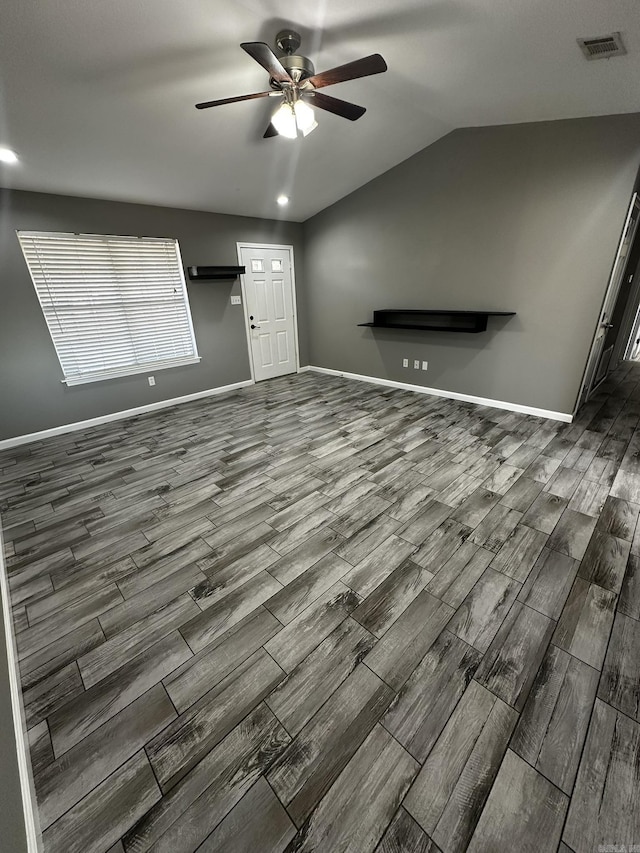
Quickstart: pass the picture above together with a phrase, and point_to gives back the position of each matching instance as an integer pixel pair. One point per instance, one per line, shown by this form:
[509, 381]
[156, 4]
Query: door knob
[607, 325]
[254, 327]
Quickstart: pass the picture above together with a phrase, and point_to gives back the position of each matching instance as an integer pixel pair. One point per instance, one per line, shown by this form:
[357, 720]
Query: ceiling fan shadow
[394, 21]
[269, 29]
[171, 68]
[417, 17]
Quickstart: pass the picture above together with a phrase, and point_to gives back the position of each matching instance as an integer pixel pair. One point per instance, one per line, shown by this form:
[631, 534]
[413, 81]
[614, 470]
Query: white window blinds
[114, 305]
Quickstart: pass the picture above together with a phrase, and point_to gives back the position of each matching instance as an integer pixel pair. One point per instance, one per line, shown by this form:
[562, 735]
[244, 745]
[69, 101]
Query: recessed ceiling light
[8, 156]
[282, 200]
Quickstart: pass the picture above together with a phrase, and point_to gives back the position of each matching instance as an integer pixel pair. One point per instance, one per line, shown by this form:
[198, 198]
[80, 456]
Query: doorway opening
[619, 316]
[631, 316]
[270, 313]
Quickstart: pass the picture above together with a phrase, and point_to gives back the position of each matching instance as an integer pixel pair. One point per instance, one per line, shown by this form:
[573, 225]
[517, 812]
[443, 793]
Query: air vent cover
[602, 47]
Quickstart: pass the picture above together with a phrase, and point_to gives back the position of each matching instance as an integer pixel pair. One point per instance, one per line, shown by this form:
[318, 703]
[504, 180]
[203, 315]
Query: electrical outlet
[425, 365]
[416, 364]
[152, 380]
[405, 362]
[235, 300]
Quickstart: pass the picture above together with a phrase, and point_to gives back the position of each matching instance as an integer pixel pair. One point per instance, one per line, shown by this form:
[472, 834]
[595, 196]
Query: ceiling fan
[293, 80]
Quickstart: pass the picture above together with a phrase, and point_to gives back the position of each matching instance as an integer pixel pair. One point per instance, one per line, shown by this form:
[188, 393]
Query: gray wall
[521, 218]
[33, 398]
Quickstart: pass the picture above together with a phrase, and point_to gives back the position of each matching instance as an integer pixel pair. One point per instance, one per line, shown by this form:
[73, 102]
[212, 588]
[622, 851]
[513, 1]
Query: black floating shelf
[434, 321]
[214, 273]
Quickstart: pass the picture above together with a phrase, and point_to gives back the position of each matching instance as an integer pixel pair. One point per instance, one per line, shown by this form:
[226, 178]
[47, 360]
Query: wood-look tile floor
[318, 615]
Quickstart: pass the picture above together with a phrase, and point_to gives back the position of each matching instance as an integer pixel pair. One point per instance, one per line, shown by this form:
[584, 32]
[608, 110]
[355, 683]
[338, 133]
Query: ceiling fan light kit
[293, 78]
[295, 119]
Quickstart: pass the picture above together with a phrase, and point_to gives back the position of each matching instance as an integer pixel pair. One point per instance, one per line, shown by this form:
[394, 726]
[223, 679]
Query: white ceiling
[97, 96]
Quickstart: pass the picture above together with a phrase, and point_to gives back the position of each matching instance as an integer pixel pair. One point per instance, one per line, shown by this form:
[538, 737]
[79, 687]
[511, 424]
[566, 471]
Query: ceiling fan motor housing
[299, 67]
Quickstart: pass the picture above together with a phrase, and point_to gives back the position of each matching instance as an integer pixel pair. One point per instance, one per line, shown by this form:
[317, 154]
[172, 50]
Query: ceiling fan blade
[263, 54]
[269, 132]
[335, 105]
[364, 67]
[206, 104]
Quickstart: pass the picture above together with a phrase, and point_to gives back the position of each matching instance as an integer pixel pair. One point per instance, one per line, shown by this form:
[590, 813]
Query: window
[114, 305]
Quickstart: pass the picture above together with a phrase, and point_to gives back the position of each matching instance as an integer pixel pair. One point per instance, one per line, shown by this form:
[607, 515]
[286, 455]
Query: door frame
[609, 296]
[280, 247]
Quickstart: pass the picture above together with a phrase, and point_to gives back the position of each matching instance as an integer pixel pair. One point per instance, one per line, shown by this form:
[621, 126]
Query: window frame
[132, 369]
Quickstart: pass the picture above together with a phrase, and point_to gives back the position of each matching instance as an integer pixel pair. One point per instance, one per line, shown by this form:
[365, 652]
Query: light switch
[235, 300]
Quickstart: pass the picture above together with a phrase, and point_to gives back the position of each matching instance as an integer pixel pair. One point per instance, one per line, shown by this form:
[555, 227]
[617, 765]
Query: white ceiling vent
[602, 47]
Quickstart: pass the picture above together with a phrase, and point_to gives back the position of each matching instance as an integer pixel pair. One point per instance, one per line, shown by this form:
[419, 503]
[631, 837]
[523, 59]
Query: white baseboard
[211, 392]
[116, 416]
[27, 789]
[451, 395]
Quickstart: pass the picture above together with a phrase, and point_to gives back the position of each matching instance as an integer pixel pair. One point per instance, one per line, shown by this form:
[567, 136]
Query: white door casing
[268, 296]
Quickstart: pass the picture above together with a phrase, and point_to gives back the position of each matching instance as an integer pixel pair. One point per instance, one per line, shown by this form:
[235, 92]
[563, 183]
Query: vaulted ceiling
[97, 96]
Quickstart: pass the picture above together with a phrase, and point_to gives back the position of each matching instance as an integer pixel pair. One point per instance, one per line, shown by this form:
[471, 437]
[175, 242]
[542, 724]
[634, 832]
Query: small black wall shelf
[434, 321]
[214, 273]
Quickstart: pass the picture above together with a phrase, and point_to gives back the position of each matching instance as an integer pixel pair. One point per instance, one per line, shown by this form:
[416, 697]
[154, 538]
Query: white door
[269, 309]
[629, 324]
[602, 348]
